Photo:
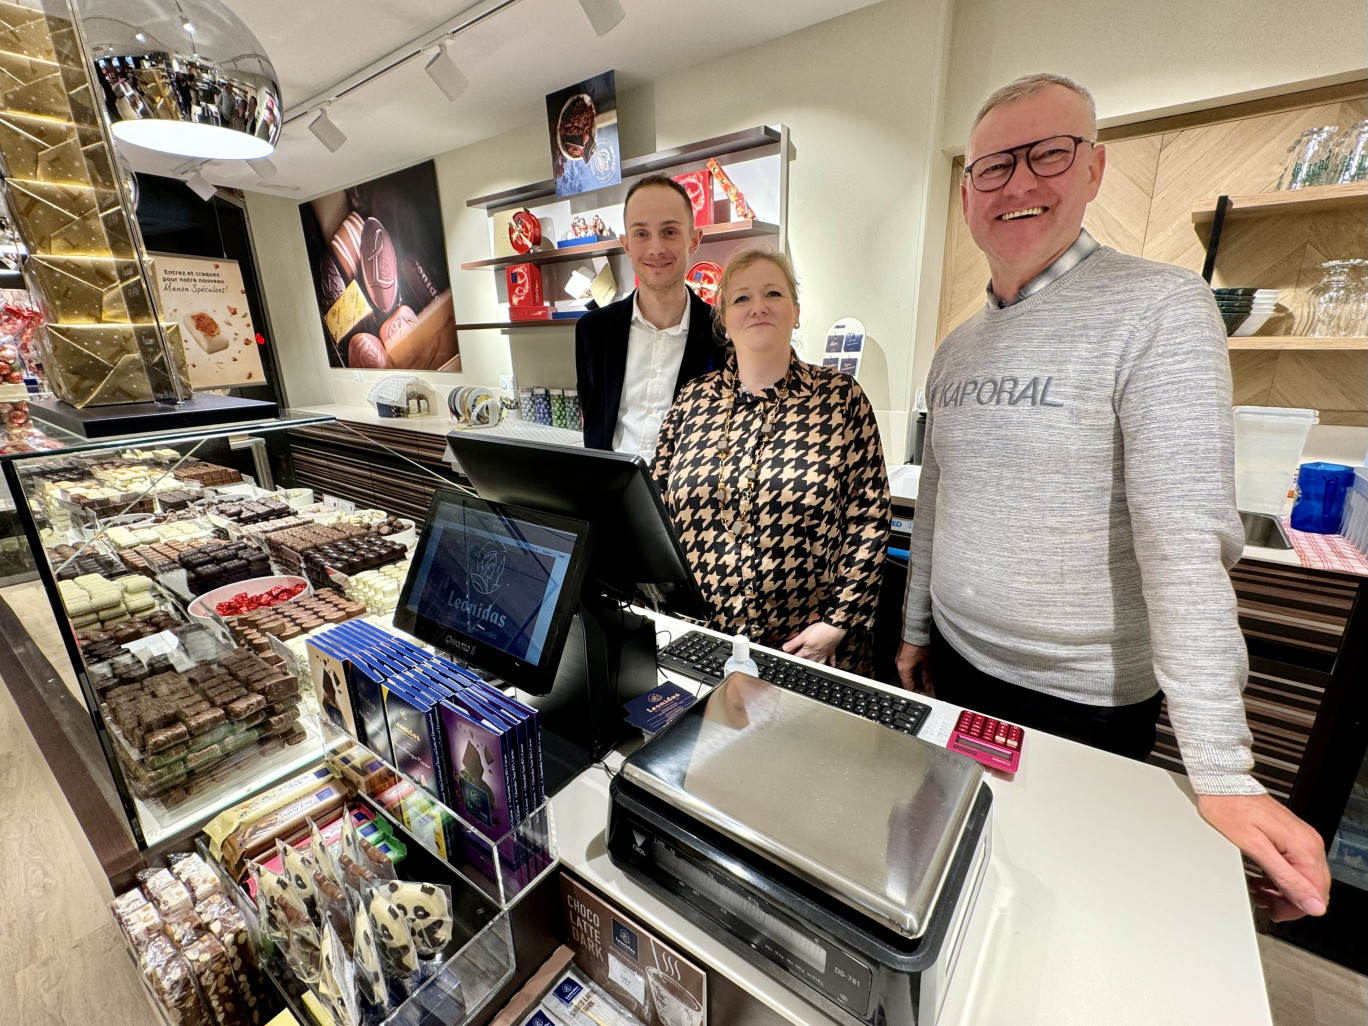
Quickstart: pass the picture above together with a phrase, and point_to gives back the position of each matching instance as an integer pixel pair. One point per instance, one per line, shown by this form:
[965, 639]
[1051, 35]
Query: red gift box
[524, 284]
[699, 184]
[529, 313]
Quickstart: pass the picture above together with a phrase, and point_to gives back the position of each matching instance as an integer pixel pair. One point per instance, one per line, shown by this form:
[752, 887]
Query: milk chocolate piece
[366, 351]
[242, 708]
[276, 688]
[379, 266]
[204, 720]
[156, 740]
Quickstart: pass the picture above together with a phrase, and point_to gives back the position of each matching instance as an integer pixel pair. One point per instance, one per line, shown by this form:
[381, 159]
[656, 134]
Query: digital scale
[840, 857]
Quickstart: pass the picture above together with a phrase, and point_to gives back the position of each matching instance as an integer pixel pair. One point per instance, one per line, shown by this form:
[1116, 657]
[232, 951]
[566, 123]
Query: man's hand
[914, 668]
[817, 641]
[1289, 851]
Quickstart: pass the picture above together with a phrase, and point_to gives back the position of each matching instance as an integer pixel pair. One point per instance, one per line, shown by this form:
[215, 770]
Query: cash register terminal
[607, 655]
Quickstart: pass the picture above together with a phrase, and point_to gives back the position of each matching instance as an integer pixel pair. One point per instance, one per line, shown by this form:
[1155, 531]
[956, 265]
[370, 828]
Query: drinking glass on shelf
[1330, 300]
[1351, 155]
[1309, 160]
[1354, 324]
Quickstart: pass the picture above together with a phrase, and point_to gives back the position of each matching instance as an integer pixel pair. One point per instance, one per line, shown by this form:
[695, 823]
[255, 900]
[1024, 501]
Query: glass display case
[135, 541]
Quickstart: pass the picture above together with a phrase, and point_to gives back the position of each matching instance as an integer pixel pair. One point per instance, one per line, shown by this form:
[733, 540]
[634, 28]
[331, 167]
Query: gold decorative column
[87, 266]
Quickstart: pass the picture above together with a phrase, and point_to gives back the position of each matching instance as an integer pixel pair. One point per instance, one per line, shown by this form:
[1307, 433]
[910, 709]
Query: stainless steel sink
[1264, 530]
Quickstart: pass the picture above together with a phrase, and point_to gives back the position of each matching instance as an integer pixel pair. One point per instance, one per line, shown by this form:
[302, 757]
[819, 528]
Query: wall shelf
[724, 232]
[1316, 198]
[733, 142]
[1300, 342]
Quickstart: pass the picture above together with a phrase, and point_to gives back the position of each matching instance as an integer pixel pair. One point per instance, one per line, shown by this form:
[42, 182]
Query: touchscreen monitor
[496, 585]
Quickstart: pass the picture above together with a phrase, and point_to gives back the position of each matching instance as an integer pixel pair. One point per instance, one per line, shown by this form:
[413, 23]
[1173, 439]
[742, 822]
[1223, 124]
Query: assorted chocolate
[294, 618]
[346, 548]
[206, 475]
[99, 644]
[176, 724]
[217, 563]
[250, 511]
[193, 946]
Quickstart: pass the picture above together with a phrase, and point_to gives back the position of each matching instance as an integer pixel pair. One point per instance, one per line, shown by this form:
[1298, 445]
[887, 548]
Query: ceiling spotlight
[140, 36]
[603, 15]
[263, 167]
[201, 187]
[189, 28]
[442, 69]
[326, 132]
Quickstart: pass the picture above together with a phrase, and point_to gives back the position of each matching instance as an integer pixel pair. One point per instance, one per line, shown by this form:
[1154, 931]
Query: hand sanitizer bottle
[740, 661]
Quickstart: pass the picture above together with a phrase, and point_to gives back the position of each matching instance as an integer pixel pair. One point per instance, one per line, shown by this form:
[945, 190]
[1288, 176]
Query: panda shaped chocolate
[392, 934]
[428, 913]
[370, 979]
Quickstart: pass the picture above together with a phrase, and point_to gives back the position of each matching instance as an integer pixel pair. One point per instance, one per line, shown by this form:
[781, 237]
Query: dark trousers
[1124, 729]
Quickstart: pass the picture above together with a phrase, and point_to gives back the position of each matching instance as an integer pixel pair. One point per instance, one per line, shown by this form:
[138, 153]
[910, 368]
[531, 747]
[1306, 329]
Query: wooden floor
[63, 962]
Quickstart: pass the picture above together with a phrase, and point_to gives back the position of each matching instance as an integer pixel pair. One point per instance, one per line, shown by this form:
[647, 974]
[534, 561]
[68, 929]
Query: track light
[442, 69]
[263, 167]
[201, 187]
[326, 132]
[603, 15]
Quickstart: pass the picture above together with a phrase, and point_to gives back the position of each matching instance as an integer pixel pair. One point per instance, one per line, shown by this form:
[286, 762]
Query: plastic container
[1321, 492]
[1268, 447]
[740, 661]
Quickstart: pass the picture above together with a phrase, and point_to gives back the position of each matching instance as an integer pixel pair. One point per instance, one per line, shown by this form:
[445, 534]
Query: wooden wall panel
[1117, 218]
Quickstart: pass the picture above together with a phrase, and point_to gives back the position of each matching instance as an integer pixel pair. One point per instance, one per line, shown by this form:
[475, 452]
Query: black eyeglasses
[1045, 157]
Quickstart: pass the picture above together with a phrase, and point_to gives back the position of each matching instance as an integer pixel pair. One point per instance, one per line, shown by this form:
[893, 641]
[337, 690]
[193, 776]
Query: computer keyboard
[701, 657]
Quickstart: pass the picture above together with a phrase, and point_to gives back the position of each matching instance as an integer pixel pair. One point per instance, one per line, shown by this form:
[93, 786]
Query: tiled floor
[63, 959]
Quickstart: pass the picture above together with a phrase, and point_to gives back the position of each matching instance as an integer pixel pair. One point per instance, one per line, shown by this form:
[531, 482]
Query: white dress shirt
[654, 357]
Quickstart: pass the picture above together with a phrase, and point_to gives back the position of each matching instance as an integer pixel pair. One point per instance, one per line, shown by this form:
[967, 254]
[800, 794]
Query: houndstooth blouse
[806, 540]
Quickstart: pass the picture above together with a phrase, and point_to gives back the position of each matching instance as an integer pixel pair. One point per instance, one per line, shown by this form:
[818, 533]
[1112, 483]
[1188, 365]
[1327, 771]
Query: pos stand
[609, 658]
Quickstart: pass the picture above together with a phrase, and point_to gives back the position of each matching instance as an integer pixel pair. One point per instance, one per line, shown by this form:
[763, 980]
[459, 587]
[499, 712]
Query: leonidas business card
[647, 977]
[658, 706]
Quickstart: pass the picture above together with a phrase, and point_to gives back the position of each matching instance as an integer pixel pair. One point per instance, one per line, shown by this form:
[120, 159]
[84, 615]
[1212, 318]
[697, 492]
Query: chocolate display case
[103, 343]
[132, 538]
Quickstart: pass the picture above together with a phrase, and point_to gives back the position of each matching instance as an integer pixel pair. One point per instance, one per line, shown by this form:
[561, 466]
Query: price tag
[341, 505]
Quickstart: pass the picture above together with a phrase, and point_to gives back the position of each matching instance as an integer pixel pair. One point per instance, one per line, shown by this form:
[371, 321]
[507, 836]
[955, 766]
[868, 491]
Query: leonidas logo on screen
[487, 565]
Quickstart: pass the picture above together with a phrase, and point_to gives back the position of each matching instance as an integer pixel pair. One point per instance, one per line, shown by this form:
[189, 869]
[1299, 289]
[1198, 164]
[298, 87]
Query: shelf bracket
[1214, 241]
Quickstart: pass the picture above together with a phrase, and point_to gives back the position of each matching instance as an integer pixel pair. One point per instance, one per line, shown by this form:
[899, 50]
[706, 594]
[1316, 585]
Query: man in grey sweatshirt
[1076, 513]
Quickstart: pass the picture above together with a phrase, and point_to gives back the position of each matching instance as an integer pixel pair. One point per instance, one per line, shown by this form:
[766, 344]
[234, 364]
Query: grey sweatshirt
[1076, 513]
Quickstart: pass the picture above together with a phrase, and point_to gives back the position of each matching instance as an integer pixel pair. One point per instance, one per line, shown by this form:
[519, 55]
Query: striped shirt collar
[1082, 247]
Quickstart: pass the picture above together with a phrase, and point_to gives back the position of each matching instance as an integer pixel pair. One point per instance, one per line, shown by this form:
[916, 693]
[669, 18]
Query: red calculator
[995, 744]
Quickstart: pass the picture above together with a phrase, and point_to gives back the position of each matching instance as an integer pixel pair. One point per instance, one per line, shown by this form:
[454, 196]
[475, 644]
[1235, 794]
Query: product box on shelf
[468, 758]
[699, 186]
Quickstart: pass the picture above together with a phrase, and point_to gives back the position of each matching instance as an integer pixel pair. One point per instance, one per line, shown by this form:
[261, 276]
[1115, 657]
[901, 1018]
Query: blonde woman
[772, 471]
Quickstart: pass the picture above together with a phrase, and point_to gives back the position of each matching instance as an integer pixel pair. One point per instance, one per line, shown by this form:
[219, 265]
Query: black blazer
[601, 361]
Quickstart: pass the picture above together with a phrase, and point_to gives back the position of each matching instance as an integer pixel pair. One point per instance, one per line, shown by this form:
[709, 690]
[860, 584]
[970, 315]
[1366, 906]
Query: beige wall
[863, 141]
[1145, 58]
[874, 101]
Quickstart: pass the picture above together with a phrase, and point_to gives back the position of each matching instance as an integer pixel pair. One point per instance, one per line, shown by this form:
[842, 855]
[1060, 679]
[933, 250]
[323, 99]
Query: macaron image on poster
[378, 256]
[206, 299]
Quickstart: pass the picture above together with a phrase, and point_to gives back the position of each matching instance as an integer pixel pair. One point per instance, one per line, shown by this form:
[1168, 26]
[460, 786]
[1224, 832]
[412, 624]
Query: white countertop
[1107, 900]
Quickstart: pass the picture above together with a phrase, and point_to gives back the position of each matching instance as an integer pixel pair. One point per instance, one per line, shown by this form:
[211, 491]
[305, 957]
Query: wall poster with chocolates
[582, 120]
[378, 255]
[207, 298]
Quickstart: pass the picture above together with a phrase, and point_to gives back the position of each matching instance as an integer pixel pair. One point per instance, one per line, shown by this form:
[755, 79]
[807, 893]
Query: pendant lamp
[185, 77]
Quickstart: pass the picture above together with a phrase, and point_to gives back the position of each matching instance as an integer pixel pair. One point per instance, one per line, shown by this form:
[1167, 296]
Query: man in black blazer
[632, 357]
